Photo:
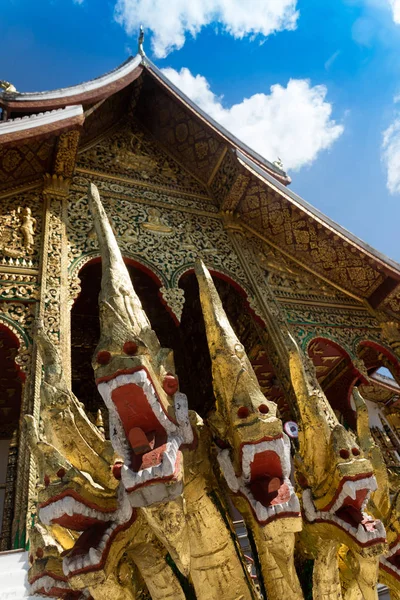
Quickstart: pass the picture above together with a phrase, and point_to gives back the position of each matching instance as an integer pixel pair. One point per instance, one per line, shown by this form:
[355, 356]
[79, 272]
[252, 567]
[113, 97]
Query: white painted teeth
[384, 559]
[176, 435]
[69, 506]
[168, 462]
[46, 582]
[248, 452]
[308, 505]
[92, 558]
[166, 468]
[373, 484]
[349, 489]
[117, 432]
[237, 484]
[361, 534]
[281, 446]
[95, 556]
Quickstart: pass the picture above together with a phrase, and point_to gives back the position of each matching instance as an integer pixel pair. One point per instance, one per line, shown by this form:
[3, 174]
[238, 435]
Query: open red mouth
[264, 480]
[347, 510]
[351, 511]
[92, 547]
[147, 438]
[395, 559]
[391, 562]
[52, 585]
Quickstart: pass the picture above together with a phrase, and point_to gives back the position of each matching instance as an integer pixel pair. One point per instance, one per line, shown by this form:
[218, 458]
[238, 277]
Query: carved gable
[129, 151]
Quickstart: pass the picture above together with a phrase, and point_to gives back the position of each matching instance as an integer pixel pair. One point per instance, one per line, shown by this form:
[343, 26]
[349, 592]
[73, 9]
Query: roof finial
[6, 86]
[140, 41]
[278, 163]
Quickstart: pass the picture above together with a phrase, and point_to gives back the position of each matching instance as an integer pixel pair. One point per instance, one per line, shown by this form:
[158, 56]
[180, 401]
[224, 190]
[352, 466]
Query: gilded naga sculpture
[146, 515]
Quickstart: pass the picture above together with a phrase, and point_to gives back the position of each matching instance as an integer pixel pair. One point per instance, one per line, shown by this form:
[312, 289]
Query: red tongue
[140, 441]
[266, 483]
[274, 485]
[88, 539]
[270, 491]
[148, 448]
[147, 437]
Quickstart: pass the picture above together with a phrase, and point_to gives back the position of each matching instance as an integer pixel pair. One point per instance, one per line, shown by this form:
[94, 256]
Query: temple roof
[89, 91]
[237, 179]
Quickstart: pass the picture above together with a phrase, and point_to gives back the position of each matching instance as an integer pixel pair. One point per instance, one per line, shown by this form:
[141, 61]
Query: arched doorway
[11, 382]
[196, 363]
[382, 395]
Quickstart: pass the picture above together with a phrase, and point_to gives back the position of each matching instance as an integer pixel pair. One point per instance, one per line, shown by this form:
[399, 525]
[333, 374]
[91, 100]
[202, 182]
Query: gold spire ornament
[252, 451]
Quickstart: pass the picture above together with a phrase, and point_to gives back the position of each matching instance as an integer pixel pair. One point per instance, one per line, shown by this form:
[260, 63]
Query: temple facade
[199, 383]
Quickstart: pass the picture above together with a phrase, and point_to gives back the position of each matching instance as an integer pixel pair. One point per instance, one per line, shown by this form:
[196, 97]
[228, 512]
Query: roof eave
[84, 93]
[37, 125]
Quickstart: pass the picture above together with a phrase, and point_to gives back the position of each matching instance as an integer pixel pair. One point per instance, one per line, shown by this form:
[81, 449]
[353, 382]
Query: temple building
[199, 383]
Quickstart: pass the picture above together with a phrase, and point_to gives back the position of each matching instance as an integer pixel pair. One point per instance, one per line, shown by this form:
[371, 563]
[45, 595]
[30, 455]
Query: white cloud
[391, 156]
[292, 122]
[395, 4]
[170, 20]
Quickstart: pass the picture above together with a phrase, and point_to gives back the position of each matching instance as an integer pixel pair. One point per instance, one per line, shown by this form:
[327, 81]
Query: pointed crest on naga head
[337, 478]
[136, 379]
[254, 453]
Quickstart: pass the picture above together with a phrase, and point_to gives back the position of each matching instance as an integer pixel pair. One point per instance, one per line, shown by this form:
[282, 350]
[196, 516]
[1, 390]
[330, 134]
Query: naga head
[136, 378]
[253, 451]
[79, 502]
[337, 478]
[46, 576]
[385, 501]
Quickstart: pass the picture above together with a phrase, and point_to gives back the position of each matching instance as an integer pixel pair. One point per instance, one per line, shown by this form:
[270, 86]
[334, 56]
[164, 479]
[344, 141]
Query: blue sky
[334, 68]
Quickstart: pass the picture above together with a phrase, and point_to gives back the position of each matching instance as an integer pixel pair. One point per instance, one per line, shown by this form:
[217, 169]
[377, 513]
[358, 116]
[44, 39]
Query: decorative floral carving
[300, 314]
[169, 255]
[175, 299]
[150, 197]
[16, 290]
[67, 146]
[53, 279]
[302, 237]
[391, 333]
[130, 152]
[359, 364]
[255, 307]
